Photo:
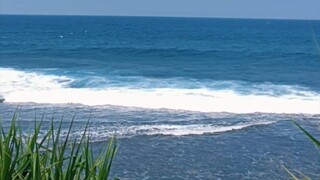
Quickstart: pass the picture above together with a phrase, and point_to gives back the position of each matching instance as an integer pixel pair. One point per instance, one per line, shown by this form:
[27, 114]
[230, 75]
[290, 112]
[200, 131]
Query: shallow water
[188, 145]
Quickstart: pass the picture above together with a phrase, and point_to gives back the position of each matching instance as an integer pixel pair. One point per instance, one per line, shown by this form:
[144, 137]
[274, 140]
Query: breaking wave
[227, 96]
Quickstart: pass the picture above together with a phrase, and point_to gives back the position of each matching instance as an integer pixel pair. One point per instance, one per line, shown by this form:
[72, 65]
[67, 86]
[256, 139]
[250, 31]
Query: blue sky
[283, 9]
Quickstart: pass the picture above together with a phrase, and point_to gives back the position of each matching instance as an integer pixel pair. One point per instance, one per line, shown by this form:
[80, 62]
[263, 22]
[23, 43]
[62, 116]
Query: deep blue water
[277, 51]
[188, 98]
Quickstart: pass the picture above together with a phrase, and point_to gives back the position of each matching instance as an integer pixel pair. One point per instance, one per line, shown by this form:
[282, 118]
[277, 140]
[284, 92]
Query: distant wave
[234, 97]
[165, 51]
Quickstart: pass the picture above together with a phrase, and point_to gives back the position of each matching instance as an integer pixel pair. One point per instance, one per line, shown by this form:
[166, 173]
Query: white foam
[14, 81]
[20, 86]
[104, 132]
[194, 129]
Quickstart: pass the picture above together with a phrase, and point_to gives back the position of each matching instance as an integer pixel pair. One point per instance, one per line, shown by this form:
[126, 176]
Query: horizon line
[199, 17]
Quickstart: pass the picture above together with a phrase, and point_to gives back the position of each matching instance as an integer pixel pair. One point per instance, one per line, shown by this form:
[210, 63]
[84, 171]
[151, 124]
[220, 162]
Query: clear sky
[283, 9]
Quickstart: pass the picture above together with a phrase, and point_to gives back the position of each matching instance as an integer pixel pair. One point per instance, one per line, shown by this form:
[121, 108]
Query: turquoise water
[187, 97]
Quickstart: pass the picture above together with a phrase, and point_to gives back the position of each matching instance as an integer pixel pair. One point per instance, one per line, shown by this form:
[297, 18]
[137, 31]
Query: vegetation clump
[51, 156]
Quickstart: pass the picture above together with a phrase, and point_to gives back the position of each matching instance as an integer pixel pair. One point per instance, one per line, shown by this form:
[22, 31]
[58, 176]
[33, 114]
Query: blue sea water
[188, 98]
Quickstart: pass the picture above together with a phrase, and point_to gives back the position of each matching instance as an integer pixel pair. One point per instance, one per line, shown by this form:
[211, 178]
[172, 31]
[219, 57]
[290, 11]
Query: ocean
[187, 98]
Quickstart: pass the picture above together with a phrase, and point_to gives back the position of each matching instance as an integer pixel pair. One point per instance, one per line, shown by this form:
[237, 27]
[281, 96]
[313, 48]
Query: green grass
[51, 156]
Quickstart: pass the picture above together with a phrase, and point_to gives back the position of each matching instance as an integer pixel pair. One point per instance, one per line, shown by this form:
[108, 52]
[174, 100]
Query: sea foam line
[102, 133]
[181, 99]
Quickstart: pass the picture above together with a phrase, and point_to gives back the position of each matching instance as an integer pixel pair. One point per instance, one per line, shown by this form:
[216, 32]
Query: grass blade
[313, 139]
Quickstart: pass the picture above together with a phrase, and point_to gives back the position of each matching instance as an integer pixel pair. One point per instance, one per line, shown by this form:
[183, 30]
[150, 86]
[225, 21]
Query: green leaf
[313, 139]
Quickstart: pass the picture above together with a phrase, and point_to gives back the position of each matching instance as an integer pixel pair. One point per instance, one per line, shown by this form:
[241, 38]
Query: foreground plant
[50, 157]
[315, 141]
